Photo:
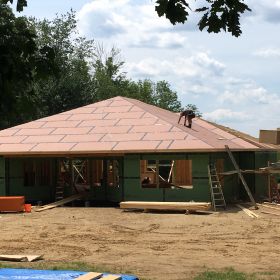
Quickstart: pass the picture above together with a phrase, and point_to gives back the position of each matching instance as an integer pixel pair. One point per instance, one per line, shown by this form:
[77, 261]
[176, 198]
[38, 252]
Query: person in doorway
[188, 114]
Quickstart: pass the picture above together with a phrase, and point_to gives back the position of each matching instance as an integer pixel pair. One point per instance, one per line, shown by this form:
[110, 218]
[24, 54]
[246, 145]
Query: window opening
[166, 173]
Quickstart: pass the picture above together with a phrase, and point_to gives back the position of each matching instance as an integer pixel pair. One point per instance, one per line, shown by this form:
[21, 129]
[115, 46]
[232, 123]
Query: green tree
[165, 97]
[144, 91]
[71, 85]
[21, 61]
[108, 78]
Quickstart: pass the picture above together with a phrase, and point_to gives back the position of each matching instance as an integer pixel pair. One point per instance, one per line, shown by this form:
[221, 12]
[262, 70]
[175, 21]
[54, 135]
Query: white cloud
[268, 53]
[268, 10]
[129, 23]
[198, 66]
[226, 115]
[250, 94]
[159, 40]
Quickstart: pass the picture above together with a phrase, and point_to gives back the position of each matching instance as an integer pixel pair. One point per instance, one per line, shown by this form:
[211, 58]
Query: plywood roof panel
[35, 131]
[118, 125]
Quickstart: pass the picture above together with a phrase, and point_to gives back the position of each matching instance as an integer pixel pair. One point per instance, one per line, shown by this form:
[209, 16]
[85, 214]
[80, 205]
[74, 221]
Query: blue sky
[233, 81]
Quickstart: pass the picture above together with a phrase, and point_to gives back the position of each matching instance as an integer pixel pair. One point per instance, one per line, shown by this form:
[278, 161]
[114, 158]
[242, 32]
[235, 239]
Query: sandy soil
[151, 245]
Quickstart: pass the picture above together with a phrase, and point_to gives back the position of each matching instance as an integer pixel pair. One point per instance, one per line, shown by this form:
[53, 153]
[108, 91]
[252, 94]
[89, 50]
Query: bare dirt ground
[150, 245]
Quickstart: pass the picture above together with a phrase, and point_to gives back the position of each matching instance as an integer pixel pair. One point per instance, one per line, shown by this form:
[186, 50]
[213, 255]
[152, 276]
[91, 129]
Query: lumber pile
[147, 205]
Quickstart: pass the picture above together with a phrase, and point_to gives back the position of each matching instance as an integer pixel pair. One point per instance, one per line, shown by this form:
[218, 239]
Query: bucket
[27, 208]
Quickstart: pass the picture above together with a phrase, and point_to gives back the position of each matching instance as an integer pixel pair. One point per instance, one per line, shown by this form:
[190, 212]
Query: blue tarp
[32, 274]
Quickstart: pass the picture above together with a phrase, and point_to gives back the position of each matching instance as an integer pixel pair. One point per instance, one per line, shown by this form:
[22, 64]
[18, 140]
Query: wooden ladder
[216, 191]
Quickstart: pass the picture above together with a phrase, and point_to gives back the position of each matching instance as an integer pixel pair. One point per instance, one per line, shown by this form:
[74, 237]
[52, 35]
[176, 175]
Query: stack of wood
[147, 205]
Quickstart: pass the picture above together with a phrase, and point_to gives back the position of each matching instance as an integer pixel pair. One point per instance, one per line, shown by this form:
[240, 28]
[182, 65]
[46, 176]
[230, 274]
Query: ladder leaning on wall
[216, 191]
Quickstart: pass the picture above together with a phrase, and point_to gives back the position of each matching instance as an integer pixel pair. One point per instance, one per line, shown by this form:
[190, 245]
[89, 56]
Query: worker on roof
[188, 114]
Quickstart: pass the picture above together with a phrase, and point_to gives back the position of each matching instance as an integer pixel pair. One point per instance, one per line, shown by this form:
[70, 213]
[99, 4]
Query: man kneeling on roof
[188, 114]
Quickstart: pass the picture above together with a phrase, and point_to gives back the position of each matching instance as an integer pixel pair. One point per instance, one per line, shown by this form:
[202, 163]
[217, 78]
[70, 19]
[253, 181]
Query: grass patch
[231, 274]
[228, 274]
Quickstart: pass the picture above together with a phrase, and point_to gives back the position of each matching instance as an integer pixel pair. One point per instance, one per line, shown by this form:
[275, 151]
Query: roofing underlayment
[119, 125]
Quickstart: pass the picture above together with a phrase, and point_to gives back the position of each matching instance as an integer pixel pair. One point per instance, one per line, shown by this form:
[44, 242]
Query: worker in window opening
[188, 114]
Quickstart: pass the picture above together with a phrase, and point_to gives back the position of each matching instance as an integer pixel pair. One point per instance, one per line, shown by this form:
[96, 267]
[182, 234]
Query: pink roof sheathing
[119, 125]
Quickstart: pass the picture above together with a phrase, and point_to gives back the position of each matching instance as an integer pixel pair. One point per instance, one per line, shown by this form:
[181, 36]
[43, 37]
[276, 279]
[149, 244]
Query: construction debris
[147, 205]
[61, 202]
[20, 258]
[247, 211]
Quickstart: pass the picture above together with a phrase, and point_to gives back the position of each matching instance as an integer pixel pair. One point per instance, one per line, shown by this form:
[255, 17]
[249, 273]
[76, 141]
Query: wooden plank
[165, 205]
[61, 202]
[90, 276]
[111, 277]
[248, 212]
[241, 176]
[20, 258]
[183, 169]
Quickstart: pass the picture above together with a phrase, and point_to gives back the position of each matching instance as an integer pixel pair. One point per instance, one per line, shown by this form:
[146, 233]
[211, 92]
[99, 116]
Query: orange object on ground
[12, 203]
[27, 208]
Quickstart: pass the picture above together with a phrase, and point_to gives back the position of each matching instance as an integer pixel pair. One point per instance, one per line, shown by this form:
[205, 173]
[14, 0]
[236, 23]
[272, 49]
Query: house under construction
[122, 149]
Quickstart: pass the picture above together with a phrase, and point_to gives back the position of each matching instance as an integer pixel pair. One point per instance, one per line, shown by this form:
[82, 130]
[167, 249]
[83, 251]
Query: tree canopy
[21, 61]
[217, 15]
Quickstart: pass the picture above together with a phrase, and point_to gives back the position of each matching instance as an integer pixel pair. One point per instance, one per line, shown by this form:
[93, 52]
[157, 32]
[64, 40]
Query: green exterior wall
[31, 193]
[12, 179]
[2, 177]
